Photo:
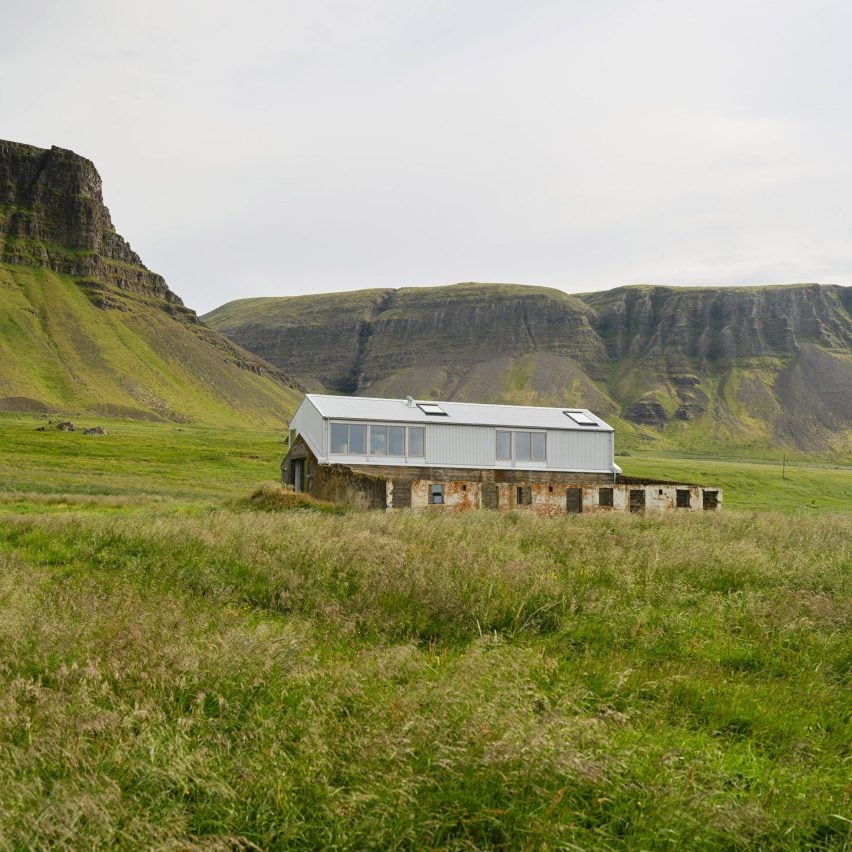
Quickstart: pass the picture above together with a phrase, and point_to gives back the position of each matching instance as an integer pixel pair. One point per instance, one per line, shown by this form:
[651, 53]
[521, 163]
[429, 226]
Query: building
[405, 454]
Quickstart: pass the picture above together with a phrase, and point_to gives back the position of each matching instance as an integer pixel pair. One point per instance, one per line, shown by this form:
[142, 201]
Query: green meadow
[184, 667]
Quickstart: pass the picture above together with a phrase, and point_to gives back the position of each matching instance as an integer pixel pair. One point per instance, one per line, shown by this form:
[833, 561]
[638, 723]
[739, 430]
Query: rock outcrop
[52, 215]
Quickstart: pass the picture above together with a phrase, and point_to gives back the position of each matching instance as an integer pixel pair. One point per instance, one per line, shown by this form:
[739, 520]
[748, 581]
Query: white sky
[277, 147]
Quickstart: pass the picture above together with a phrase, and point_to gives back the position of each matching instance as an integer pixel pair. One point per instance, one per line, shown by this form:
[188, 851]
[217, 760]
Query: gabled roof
[461, 413]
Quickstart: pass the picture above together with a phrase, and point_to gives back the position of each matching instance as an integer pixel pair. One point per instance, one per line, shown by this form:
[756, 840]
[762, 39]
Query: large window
[504, 445]
[352, 439]
[521, 446]
[348, 439]
[387, 440]
[416, 441]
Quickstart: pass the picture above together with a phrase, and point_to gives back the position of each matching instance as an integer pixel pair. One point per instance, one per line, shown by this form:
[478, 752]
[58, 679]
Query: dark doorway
[605, 497]
[637, 499]
[683, 498]
[489, 495]
[574, 501]
[299, 475]
[711, 500]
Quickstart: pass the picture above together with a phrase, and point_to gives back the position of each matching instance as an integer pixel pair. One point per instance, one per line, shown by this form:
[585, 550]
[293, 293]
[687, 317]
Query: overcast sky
[274, 148]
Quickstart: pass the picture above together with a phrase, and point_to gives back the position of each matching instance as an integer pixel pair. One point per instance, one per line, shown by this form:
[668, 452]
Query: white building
[403, 453]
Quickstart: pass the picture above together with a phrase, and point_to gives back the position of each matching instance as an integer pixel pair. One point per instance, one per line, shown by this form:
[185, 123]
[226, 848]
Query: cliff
[736, 366]
[84, 325]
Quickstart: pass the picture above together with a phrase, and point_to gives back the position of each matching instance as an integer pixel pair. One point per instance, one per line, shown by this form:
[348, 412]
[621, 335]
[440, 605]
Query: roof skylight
[432, 409]
[581, 418]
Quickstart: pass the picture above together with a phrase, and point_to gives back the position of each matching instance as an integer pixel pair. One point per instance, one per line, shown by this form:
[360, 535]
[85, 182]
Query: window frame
[348, 426]
[513, 445]
[497, 445]
[436, 489]
[368, 428]
[378, 429]
[408, 453]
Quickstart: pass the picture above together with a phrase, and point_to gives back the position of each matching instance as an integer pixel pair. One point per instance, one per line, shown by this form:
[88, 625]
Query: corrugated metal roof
[467, 413]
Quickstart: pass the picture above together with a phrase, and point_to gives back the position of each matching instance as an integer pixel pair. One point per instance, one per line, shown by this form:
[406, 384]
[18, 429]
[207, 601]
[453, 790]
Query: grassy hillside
[179, 670]
[60, 352]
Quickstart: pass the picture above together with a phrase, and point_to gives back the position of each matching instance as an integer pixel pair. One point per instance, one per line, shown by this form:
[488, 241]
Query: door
[299, 475]
[574, 501]
[637, 499]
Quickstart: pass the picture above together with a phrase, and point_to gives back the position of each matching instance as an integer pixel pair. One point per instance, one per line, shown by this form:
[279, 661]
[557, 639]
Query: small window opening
[605, 497]
[684, 500]
[436, 494]
[711, 500]
[464, 488]
[523, 495]
[550, 489]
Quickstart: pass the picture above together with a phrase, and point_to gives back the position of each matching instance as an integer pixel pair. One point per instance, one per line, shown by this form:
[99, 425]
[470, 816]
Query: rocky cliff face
[730, 362]
[52, 215]
[83, 322]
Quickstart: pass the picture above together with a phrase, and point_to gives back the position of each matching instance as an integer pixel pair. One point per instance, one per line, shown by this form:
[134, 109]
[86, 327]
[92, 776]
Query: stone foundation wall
[538, 492]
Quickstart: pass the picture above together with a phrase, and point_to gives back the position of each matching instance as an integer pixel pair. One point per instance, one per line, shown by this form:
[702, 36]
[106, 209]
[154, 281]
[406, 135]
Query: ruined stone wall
[552, 498]
[335, 483]
[541, 492]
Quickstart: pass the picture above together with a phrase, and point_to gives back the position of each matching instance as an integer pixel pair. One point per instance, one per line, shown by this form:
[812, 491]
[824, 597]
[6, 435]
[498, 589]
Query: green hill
[737, 369]
[86, 327]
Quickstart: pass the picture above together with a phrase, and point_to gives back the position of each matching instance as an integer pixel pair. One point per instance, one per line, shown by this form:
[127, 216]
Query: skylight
[432, 409]
[581, 418]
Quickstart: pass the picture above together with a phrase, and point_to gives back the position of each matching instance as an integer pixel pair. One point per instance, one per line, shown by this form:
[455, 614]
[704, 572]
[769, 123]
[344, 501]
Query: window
[580, 418]
[504, 445]
[339, 438]
[683, 498]
[432, 409]
[436, 494]
[605, 497]
[378, 440]
[523, 495]
[710, 500]
[521, 446]
[351, 439]
[396, 440]
[348, 439]
[415, 441]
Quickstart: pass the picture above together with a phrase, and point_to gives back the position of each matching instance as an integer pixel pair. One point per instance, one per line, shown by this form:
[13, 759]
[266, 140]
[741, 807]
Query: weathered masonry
[404, 454]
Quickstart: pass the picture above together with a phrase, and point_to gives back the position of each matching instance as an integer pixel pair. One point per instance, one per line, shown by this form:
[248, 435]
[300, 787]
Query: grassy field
[180, 670]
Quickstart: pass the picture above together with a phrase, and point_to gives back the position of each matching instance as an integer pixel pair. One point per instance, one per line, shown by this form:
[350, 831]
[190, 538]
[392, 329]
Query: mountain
[85, 326]
[685, 368]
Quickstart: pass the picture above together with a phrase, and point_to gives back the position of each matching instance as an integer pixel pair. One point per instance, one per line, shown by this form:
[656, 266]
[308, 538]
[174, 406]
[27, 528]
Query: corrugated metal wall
[309, 423]
[579, 450]
[448, 445]
[464, 445]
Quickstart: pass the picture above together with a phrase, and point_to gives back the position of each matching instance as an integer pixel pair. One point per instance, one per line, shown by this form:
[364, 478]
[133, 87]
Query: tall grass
[305, 680]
